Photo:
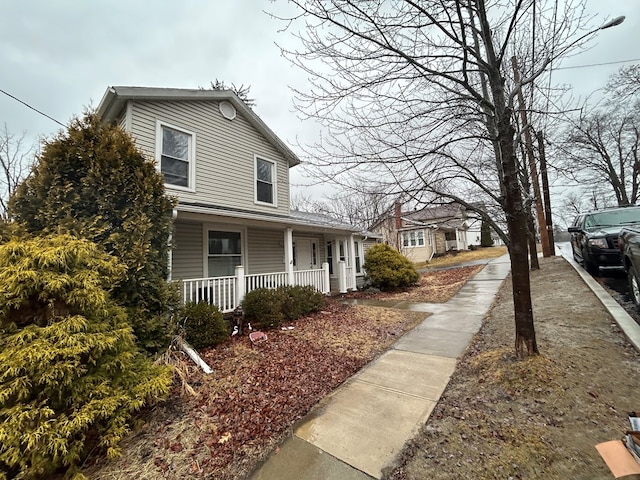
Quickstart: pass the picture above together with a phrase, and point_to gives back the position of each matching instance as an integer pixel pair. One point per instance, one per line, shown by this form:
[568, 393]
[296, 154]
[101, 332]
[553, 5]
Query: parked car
[594, 236]
[629, 244]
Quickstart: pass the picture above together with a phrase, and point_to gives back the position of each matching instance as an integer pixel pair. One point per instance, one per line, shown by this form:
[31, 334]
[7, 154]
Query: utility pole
[545, 193]
[533, 169]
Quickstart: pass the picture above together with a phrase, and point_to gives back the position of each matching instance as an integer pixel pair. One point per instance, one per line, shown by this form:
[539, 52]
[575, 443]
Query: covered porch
[218, 256]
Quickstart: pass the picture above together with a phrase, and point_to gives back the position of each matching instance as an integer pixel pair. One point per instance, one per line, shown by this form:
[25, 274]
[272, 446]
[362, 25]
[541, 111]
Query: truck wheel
[634, 287]
[589, 266]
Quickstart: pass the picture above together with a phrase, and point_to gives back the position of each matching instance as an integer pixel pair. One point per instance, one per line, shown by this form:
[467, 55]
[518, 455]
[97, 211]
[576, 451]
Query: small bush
[301, 301]
[388, 269]
[203, 325]
[264, 307]
[270, 307]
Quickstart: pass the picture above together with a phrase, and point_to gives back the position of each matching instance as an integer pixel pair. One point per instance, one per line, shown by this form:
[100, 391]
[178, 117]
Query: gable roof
[115, 99]
[433, 214]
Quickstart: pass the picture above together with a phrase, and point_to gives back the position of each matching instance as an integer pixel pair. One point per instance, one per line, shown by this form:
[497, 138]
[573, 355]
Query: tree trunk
[525, 342]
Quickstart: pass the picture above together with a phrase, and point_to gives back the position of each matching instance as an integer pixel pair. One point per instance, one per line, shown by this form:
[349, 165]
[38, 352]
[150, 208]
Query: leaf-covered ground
[238, 414]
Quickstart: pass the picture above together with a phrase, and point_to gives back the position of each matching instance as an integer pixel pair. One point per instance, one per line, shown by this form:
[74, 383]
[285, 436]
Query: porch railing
[309, 277]
[266, 280]
[227, 292]
[220, 291]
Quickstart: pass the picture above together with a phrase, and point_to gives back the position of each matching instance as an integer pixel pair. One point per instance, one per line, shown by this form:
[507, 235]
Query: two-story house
[234, 229]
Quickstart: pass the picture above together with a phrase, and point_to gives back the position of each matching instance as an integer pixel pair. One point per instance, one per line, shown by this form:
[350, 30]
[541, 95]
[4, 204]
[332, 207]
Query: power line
[32, 108]
[597, 64]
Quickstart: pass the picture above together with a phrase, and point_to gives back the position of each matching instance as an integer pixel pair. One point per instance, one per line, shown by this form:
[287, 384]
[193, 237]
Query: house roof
[327, 221]
[307, 221]
[115, 98]
[434, 214]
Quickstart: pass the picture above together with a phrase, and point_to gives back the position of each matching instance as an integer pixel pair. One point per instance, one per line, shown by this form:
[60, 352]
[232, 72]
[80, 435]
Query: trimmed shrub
[71, 374]
[301, 301]
[388, 269]
[270, 307]
[203, 325]
[264, 307]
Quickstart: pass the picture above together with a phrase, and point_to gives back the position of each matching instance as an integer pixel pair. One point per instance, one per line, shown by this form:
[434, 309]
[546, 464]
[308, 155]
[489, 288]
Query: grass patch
[464, 256]
[532, 375]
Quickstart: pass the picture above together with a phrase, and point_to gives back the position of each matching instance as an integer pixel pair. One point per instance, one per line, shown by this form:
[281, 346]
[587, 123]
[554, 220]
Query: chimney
[397, 213]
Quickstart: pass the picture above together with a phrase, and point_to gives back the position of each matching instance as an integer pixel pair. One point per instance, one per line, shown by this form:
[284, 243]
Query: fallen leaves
[257, 392]
[436, 287]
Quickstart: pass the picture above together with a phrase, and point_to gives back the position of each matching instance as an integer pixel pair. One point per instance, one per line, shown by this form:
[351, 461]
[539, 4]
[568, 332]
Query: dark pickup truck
[594, 236]
[629, 244]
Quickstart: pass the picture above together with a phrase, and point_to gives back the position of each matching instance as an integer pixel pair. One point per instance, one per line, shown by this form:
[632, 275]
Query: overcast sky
[60, 55]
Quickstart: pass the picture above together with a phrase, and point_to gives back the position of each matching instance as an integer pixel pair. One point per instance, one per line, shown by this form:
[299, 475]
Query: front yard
[221, 425]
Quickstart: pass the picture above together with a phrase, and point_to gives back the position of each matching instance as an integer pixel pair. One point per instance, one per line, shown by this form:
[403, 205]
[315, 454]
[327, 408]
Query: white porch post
[288, 255]
[240, 284]
[352, 260]
[326, 279]
[342, 276]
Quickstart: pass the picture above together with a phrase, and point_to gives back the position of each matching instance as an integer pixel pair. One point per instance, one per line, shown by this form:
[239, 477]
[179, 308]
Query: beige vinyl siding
[265, 251]
[122, 121]
[224, 152]
[188, 251]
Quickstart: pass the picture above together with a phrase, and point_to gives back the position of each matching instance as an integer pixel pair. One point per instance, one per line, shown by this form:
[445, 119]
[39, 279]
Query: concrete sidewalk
[357, 431]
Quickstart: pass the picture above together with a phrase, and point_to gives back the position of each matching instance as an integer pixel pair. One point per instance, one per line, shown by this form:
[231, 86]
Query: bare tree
[417, 100]
[360, 210]
[601, 148]
[625, 83]
[15, 160]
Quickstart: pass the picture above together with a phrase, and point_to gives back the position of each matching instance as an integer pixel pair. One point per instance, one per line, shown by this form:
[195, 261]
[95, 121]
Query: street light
[613, 23]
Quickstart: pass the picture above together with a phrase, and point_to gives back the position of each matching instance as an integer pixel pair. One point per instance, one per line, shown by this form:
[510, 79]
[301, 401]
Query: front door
[305, 254]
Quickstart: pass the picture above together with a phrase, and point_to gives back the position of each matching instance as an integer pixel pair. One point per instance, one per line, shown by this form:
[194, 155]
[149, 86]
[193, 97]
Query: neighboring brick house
[234, 228]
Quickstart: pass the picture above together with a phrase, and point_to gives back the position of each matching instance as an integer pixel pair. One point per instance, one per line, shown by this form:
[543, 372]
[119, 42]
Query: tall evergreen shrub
[91, 181]
[71, 374]
[485, 234]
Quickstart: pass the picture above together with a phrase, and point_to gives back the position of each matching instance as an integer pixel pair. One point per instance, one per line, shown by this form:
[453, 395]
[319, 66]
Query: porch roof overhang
[299, 221]
[115, 99]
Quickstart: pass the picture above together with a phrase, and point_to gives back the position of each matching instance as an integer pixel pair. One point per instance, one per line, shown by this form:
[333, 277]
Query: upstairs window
[265, 181]
[176, 159]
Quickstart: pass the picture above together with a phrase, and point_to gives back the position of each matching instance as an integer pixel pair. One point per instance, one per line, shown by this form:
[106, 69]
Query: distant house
[420, 234]
[234, 228]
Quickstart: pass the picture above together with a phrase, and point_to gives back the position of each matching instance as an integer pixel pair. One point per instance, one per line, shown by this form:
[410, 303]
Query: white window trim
[359, 256]
[274, 183]
[192, 155]
[223, 228]
[411, 238]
